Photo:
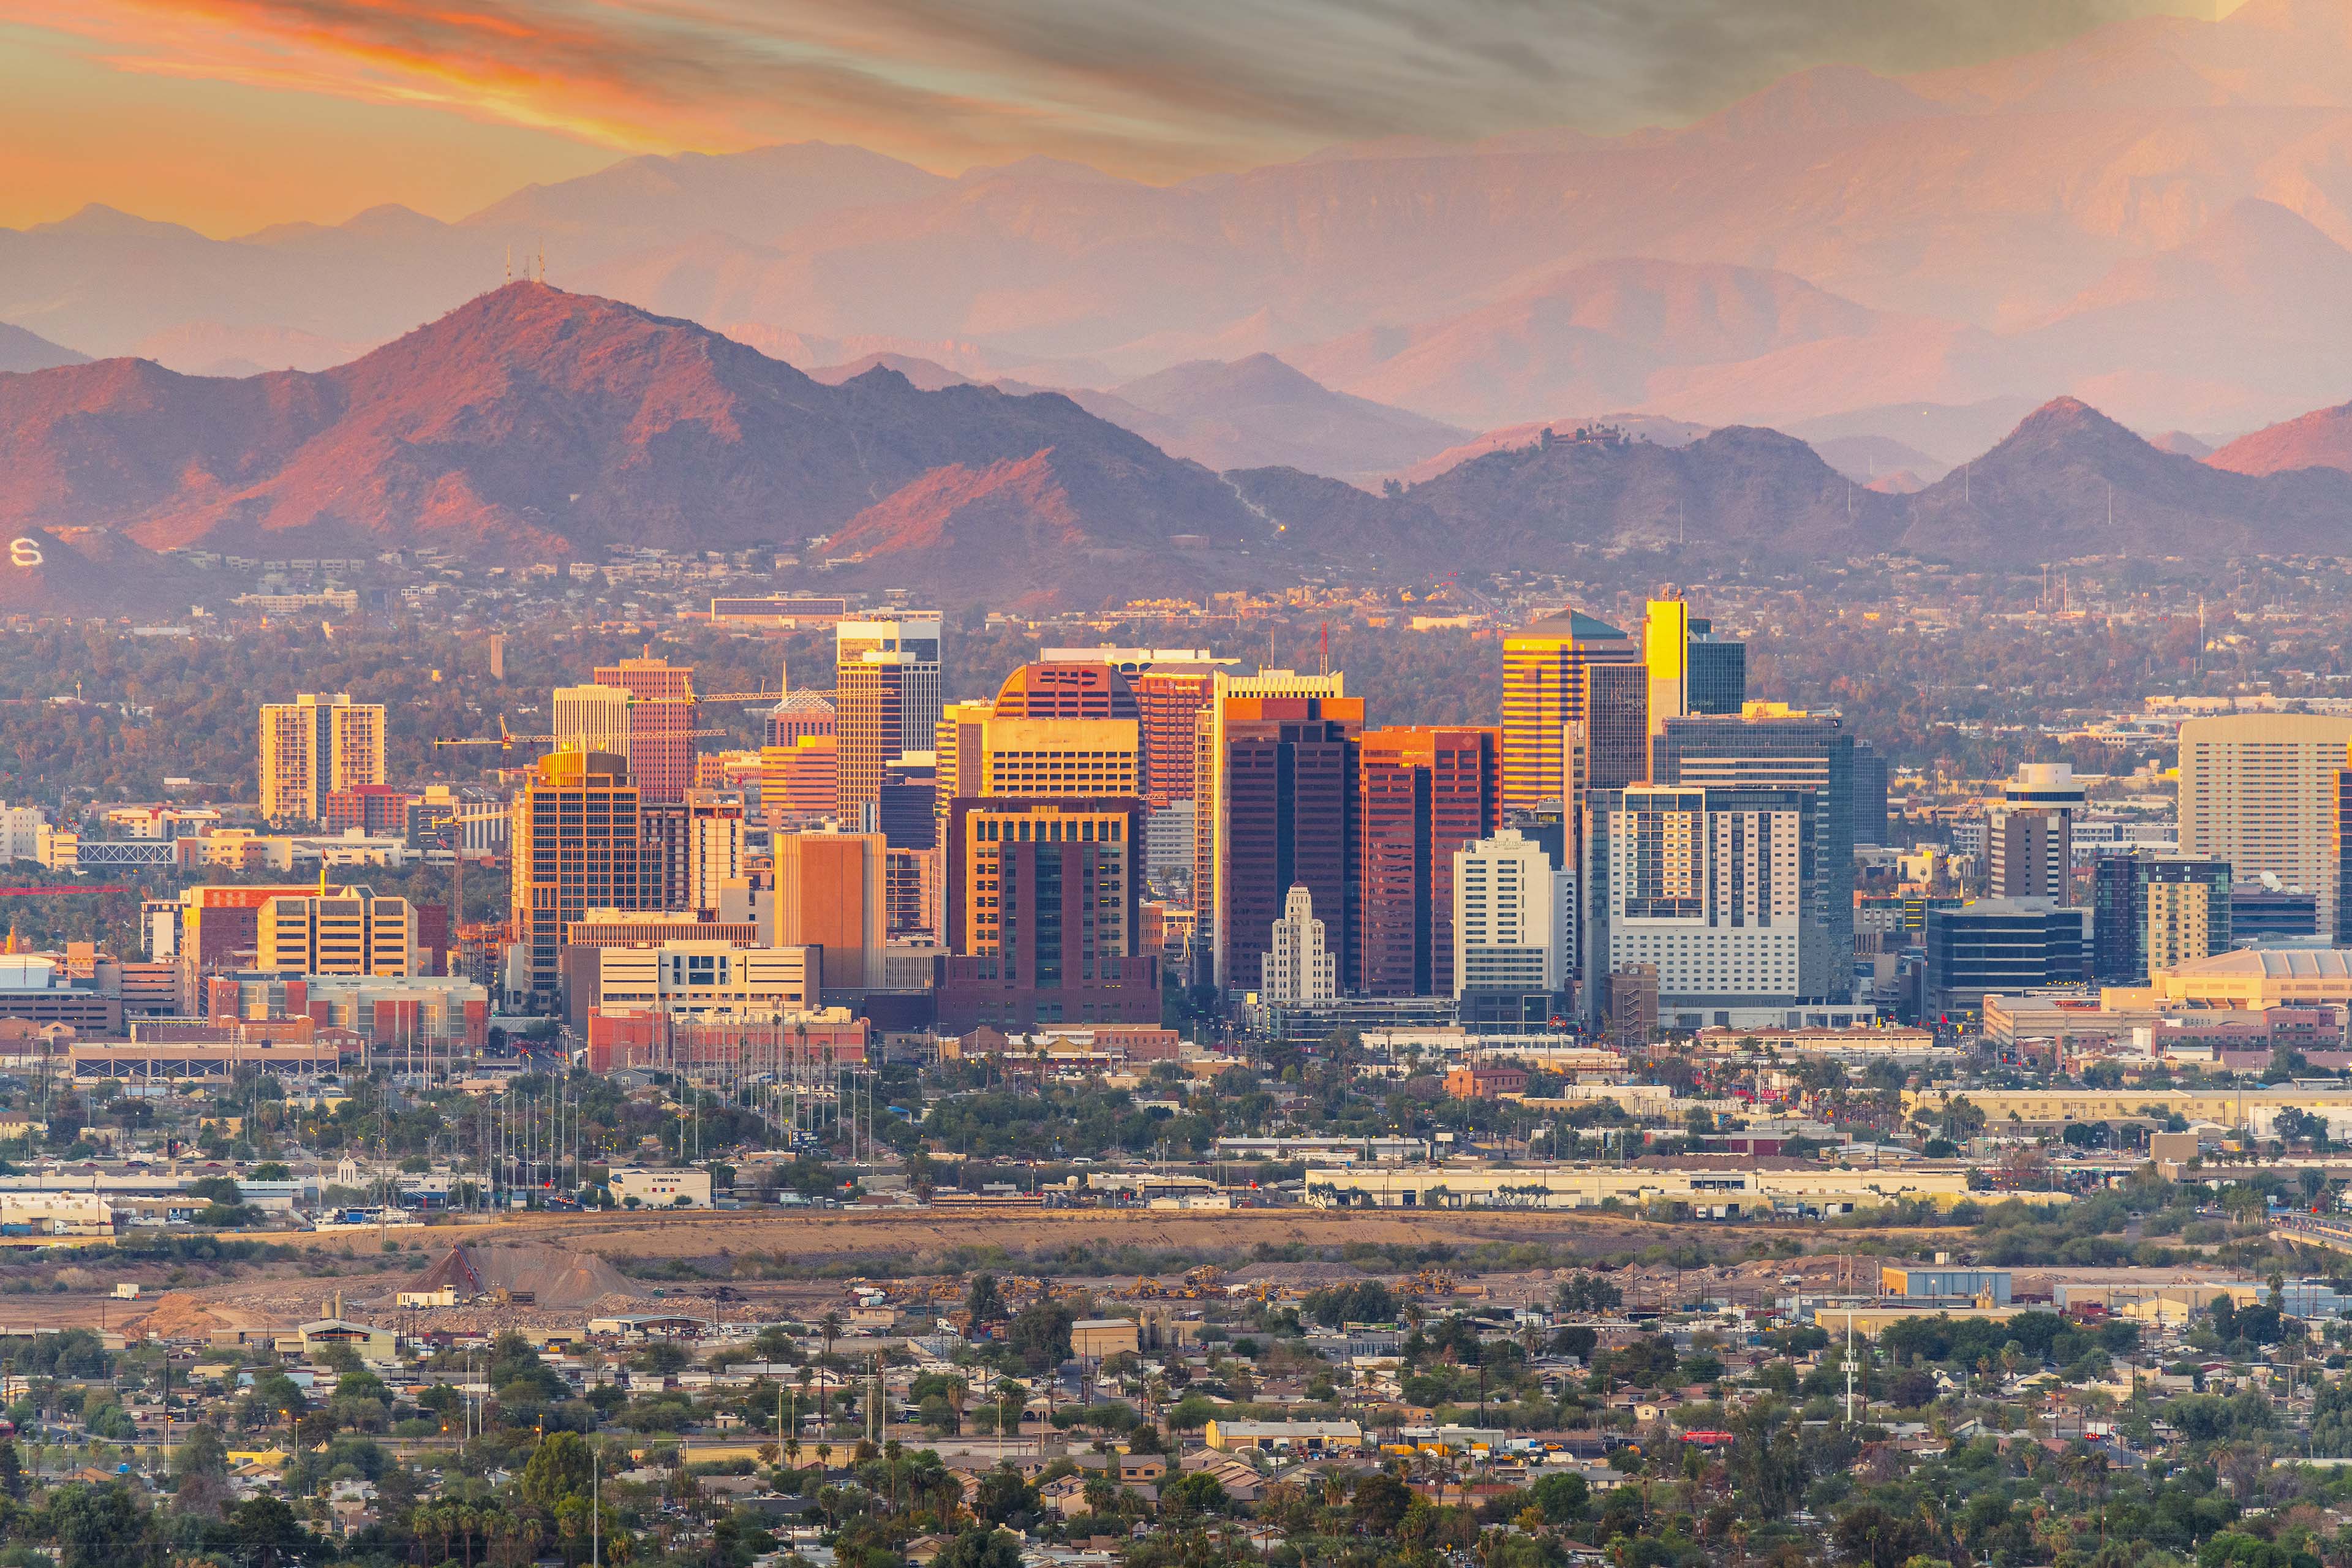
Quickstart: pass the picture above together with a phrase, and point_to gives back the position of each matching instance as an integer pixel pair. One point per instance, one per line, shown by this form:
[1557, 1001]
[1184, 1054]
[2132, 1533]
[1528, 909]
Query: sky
[228, 115]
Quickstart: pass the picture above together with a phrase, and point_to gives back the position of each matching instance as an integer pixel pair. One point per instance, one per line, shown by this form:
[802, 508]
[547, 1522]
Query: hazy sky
[228, 114]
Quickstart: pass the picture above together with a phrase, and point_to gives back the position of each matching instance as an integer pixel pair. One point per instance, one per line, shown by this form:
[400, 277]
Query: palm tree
[830, 1326]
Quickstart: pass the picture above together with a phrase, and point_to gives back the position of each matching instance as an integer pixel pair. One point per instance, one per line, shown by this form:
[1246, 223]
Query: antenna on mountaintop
[510, 261]
[543, 258]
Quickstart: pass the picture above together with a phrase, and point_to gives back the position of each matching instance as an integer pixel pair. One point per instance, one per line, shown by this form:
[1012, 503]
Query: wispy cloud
[1141, 87]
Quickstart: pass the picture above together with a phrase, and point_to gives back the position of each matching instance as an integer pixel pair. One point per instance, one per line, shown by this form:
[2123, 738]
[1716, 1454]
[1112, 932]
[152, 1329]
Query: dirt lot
[910, 1239]
[898, 1244]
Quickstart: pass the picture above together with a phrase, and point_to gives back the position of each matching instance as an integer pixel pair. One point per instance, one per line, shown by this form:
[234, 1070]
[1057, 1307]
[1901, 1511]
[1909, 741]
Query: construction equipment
[49, 889]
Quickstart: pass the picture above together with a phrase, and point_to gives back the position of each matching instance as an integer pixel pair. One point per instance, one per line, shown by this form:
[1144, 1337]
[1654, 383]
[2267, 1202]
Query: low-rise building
[660, 1189]
[1285, 1437]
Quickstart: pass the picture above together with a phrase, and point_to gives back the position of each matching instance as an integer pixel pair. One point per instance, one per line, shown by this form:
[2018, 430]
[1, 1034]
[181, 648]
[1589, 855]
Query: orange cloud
[1138, 87]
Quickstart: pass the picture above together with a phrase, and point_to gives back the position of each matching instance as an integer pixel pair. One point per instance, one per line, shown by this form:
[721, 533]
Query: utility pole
[1849, 1363]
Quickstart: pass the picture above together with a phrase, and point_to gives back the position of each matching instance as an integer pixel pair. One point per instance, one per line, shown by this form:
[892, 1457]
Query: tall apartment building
[351, 932]
[1544, 690]
[1514, 917]
[691, 849]
[1042, 914]
[1209, 822]
[661, 724]
[1711, 887]
[1284, 777]
[2150, 911]
[885, 700]
[1298, 966]
[576, 849]
[1422, 793]
[1770, 746]
[2029, 834]
[832, 892]
[314, 746]
[2258, 789]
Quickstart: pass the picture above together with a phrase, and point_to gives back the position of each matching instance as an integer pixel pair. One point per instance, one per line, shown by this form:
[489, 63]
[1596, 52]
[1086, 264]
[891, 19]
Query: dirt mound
[175, 1316]
[553, 1276]
[1307, 1275]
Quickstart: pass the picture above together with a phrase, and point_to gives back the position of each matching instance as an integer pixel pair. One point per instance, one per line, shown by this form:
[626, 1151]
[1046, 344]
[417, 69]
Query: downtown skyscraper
[887, 701]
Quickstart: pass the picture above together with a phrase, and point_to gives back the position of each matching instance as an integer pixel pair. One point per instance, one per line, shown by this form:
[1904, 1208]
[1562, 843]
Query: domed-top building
[1055, 689]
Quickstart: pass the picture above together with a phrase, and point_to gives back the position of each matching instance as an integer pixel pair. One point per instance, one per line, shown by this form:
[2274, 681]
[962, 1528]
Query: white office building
[1514, 928]
[1300, 966]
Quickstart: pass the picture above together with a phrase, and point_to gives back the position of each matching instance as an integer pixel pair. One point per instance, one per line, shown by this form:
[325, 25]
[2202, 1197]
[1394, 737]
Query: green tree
[1039, 1335]
[560, 1467]
[985, 1547]
[94, 1525]
[267, 1528]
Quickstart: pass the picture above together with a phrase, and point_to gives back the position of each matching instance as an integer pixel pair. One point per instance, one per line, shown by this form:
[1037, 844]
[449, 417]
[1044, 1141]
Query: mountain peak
[536, 424]
[2320, 439]
[95, 220]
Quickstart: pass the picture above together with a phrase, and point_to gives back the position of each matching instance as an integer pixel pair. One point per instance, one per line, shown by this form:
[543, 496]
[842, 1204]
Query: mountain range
[535, 425]
[2154, 218]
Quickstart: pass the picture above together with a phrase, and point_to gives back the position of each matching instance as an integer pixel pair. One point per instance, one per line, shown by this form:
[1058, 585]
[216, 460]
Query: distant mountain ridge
[23, 351]
[2320, 439]
[535, 425]
[2067, 481]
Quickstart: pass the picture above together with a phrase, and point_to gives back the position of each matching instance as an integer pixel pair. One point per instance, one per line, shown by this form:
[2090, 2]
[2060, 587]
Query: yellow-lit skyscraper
[576, 847]
[316, 745]
[1545, 689]
[885, 700]
[1666, 650]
